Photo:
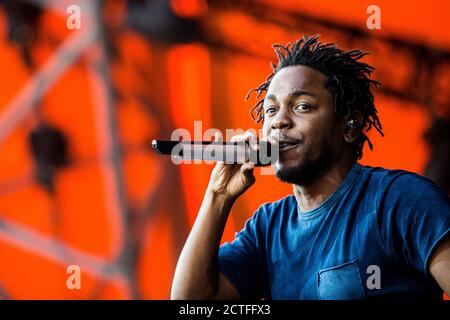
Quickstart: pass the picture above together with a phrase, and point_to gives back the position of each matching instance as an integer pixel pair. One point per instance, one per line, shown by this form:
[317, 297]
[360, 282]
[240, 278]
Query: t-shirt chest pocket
[341, 282]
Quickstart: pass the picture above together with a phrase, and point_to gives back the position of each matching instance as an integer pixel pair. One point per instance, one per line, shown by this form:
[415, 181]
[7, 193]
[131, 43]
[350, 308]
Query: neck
[314, 193]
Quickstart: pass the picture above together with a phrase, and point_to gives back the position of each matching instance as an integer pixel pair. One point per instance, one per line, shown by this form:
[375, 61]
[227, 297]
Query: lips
[287, 143]
[287, 147]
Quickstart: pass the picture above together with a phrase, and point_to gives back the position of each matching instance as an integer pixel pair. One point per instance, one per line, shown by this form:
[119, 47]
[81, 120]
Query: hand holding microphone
[232, 180]
[233, 173]
[236, 159]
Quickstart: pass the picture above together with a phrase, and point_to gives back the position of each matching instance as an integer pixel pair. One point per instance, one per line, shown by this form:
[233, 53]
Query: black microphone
[229, 152]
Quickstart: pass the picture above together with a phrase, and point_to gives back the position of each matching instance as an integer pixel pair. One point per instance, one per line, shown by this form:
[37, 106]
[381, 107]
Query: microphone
[228, 152]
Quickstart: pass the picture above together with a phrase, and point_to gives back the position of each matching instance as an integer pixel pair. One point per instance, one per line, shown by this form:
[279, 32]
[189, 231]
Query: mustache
[282, 138]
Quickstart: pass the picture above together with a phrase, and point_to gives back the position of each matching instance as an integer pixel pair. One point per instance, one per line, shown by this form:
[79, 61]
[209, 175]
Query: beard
[307, 169]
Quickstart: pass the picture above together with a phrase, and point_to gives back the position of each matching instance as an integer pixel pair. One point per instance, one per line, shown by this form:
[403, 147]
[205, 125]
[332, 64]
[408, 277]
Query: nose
[282, 120]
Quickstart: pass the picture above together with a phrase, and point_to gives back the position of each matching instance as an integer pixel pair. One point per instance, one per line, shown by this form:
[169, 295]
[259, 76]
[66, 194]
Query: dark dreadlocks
[348, 79]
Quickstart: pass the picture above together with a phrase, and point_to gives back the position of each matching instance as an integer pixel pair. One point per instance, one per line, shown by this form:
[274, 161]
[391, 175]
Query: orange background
[125, 230]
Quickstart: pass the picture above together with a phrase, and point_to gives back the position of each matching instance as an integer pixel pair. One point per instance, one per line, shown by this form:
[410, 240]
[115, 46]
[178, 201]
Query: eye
[303, 107]
[270, 110]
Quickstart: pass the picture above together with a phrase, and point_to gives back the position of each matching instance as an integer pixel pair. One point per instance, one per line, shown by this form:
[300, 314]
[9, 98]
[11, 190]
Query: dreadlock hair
[348, 80]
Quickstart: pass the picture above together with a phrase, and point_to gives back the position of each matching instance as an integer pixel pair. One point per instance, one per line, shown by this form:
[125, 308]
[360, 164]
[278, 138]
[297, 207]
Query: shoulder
[386, 176]
[406, 193]
[401, 184]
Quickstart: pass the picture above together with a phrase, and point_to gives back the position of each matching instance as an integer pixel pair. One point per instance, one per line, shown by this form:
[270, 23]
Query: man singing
[348, 231]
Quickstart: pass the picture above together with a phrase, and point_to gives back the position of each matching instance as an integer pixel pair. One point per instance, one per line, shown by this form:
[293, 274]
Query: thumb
[247, 171]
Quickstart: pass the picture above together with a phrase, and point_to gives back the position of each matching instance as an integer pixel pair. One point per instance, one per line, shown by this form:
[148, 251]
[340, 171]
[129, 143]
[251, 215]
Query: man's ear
[353, 124]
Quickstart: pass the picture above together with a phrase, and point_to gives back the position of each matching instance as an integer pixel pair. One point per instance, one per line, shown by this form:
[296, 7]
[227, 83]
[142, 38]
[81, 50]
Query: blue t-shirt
[372, 238]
